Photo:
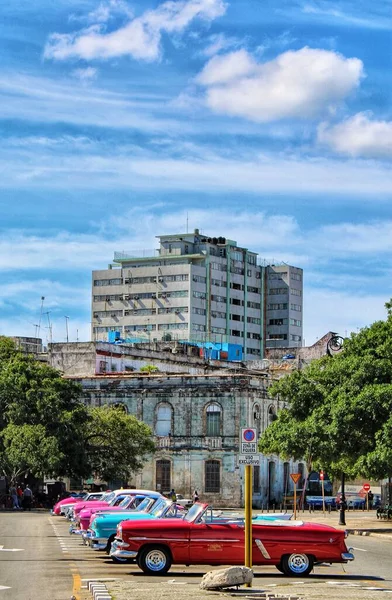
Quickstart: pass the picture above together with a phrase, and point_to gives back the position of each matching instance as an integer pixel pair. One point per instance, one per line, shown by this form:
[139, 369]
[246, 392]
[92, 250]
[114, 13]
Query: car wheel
[154, 560]
[297, 565]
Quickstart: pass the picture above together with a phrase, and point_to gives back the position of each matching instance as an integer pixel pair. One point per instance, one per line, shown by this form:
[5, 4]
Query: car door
[216, 543]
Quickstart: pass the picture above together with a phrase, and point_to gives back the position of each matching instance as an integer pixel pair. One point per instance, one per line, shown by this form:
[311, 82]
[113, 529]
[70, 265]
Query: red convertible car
[200, 538]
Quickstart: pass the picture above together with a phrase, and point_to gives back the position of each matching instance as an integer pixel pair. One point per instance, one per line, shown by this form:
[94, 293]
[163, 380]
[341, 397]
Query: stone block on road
[225, 578]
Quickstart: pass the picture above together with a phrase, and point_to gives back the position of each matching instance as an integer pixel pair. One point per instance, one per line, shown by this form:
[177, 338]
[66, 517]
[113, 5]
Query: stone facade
[196, 421]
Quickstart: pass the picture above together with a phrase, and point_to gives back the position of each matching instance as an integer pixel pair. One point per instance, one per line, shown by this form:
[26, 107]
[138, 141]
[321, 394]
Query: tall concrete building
[199, 288]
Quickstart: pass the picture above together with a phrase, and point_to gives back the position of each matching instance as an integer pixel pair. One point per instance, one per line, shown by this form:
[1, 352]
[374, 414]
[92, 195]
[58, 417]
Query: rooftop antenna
[40, 317]
[49, 326]
[66, 325]
[187, 221]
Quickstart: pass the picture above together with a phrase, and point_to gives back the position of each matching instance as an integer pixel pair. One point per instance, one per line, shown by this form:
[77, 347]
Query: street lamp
[335, 345]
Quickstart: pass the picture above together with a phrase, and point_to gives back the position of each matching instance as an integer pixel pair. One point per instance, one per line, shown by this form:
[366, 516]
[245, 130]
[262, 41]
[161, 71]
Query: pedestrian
[19, 492]
[195, 496]
[27, 498]
[370, 498]
[173, 495]
[14, 497]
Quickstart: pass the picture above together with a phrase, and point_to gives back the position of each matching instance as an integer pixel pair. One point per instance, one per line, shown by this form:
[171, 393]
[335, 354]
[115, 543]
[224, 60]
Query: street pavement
[41, 561]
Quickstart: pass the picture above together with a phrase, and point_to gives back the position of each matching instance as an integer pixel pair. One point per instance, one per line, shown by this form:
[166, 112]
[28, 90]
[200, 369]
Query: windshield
[159, 508]
[194, 512]
[127, 502]
[108, 497]
[145, 504]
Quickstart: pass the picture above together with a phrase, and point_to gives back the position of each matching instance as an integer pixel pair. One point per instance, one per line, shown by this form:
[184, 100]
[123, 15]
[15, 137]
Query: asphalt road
[41, 561]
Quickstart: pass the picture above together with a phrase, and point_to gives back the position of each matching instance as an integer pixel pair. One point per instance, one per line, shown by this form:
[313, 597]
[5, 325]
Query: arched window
[163, 424]
[212, 476]
[162, 475]
[213, 420]
[286, 478]
[257, 419]
[271, 415]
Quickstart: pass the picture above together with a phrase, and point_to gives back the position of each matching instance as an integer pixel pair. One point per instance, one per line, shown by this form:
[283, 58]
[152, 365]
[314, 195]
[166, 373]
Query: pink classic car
[293, 547]
[108, 499]
[63, 505]
[123, 502]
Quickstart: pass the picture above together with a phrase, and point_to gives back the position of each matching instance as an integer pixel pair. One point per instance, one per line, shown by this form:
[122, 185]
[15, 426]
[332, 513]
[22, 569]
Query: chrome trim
[348, 556]
[118, 552]
[262, 549]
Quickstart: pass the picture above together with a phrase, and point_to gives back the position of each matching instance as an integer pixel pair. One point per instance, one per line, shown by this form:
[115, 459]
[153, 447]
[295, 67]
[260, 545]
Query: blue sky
[265, 122]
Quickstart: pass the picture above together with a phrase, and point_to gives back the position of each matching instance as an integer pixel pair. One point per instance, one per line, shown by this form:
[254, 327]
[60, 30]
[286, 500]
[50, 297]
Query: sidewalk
[357, 521]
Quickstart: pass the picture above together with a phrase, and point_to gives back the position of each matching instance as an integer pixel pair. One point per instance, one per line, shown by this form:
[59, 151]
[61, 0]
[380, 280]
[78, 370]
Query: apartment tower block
[202, 289]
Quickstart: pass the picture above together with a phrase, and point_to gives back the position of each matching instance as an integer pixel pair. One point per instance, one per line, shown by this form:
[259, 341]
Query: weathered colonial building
[196, 421]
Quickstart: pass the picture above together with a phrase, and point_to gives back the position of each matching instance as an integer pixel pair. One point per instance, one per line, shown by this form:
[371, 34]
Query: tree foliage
[339, 414]
[117, 443]
[45, 429]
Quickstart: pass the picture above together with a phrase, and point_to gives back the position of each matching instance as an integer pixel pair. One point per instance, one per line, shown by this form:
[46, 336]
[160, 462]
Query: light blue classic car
[102, 530]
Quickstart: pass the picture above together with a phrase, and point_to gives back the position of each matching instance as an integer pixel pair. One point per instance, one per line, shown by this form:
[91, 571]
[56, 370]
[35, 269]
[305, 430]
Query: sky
[265, 122]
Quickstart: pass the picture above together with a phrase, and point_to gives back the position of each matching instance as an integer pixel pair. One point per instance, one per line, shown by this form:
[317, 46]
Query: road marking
[4, 587]
[359, 549]
[2, 549]
[77, 584]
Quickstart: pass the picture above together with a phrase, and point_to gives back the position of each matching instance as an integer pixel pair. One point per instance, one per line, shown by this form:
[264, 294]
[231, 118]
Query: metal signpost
[248, 457]
[295, 477]
[322, 489]
[366, 488]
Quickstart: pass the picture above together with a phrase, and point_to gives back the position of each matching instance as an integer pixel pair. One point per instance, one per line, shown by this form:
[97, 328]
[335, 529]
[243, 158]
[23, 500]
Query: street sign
[248, 441]
[321, 475]
[252, 460]
[295, 477]
[366, 487]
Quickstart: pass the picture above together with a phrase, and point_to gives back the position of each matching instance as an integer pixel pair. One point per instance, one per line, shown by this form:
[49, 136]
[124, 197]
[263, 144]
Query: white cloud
[343, 312]
[218, 42]
[296, 84]
[359, 136]
[85, 75]
[140, 38]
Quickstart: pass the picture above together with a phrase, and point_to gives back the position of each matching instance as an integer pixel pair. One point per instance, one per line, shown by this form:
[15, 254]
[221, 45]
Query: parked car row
[144, 527]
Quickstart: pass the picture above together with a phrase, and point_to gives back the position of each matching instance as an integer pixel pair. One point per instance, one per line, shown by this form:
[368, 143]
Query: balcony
[214, 443]
[164, 441]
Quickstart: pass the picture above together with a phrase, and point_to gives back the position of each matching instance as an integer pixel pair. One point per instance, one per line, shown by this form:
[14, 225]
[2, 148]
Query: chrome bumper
[118, 551]
[348, 556]
[73, 530]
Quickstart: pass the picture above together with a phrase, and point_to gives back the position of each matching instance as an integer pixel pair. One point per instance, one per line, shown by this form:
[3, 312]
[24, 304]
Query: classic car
[62, 505]
[292, 547]
[108, 499]
[129, 502]
[103, 526]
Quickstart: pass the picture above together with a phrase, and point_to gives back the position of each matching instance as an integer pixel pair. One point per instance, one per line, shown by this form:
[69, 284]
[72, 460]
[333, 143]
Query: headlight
[119, 531]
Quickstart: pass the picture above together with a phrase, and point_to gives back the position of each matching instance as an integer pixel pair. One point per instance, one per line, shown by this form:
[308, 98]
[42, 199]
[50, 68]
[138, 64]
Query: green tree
[46, 429]
[339, 413]
[117, 443]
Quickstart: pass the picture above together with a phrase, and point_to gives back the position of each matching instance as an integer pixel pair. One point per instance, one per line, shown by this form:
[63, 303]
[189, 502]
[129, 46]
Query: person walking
[19, 492]
[27, 498]
[195, 496]
[173, 495]
[14, 497]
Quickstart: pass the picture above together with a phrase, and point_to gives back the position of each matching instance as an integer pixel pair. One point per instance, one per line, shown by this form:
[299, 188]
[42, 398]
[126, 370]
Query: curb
[386, 533]
[98, 590]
